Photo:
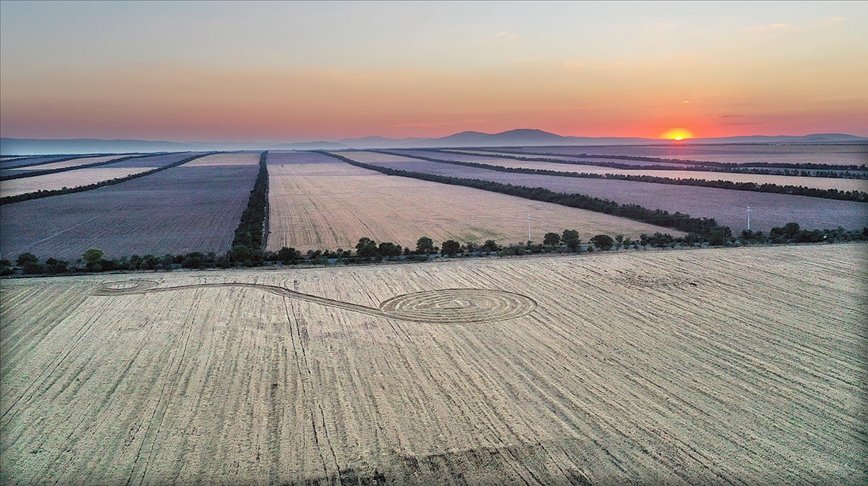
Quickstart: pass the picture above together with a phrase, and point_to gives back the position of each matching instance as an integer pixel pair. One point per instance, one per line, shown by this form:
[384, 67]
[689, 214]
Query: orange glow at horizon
[677, 134]
[304, 71]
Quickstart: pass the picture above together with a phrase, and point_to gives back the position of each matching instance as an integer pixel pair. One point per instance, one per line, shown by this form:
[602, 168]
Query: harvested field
[73, 178]
[724, 205]
[60, 165]
[178, 210]
[224, 160]
[318, 202]
[499, 155]
[813, 182]
[27, 161]
[702, 367]
[831, 154]
[83, 177]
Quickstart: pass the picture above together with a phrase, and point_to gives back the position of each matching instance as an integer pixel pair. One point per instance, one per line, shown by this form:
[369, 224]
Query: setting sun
[677, 134]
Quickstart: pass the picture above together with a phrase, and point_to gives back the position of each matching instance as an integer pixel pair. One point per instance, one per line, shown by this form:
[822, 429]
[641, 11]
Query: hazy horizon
[308, 71]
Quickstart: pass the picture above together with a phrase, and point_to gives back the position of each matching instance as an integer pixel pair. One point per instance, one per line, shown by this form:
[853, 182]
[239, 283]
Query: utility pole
[528, 226]
[748, 217]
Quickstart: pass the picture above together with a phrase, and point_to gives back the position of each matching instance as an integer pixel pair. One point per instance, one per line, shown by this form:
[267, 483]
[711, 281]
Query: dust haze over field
[704, 366]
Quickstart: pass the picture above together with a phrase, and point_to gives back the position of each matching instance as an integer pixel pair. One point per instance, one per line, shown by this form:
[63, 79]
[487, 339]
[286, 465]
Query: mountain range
[513, 138]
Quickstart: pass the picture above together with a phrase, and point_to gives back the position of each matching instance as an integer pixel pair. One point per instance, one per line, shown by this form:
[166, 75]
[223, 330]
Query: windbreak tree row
[706, 165]
[249, 236]
[858, 196]
[35, 173]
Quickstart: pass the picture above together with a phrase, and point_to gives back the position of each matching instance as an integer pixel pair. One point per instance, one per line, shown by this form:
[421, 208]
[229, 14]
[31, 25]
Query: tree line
[805, 170]
[247, 246]
[679, 221]
[858, 196]
[60, 158]
[69, 190]
[74, 167]
[368, 251]
[705, 163]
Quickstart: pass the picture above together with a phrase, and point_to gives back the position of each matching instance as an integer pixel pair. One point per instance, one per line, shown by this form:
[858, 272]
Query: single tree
[571, 239]
[92, 256]
[551, 239]
[490, 245]
[603, 242]
[366, 248]
[791, 230]
[389, 249]
[26, 260]
[451, 248]
[424, 245]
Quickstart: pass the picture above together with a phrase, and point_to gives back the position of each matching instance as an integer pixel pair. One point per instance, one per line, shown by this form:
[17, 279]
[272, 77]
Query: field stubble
[726, 206]
[705, 366]
[317, 202]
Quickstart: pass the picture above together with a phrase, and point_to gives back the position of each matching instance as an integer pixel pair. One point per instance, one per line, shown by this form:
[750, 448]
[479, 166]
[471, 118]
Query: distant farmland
[59, 165]
[728, 366]
[83, 177]
[28, 161]
[726, 206]
[318, 202]
[193, 207]
[815, 182]
[73, 178]
[832, 154]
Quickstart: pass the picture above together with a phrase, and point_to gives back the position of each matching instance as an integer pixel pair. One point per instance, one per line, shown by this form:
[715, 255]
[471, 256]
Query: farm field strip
[566, 159]
[73, 178]
[85, 176]
[317, 202]
[814, 182]
[178, 210]
[60, 165]
[682, 367]
[726, 206]
[34, 161]
[832, 154]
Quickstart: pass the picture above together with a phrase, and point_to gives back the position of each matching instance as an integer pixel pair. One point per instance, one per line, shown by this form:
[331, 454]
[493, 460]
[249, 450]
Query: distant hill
[510, 138]
[533, 137]
[521, 136]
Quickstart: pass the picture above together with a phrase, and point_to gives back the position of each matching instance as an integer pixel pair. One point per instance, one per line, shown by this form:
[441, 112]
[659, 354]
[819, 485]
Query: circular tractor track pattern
[458, 306]
[447, 306]
[126, 287]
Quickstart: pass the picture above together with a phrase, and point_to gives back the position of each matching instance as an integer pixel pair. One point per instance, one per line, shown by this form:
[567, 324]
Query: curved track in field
[447, 306]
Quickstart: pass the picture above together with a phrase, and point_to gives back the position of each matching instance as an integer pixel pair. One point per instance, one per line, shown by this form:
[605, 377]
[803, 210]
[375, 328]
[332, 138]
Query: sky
[324, 71]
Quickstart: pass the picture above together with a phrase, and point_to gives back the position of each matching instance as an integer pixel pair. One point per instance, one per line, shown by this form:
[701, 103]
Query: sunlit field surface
[703, 366]
[726, 206]
[319, 202]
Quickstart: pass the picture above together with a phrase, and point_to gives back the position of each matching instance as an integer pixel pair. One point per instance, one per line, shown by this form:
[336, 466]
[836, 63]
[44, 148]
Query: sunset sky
[313, 71]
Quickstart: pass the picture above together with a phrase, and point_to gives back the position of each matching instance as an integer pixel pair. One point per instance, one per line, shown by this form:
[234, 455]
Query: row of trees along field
[368, 250]
[858, 196]
[249, 236]
[774, 168]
